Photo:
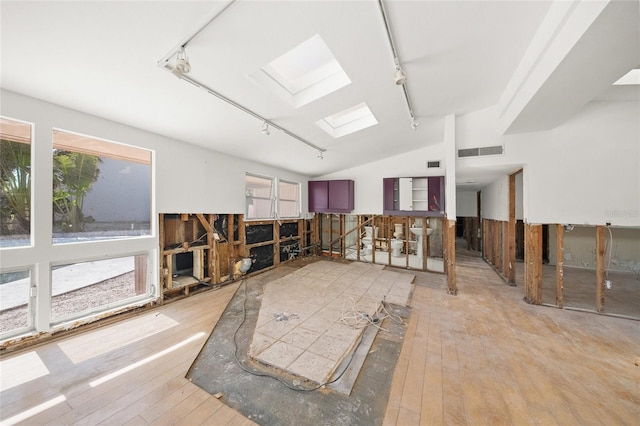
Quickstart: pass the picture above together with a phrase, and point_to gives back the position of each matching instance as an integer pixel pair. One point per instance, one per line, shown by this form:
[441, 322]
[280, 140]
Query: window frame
[275, 198]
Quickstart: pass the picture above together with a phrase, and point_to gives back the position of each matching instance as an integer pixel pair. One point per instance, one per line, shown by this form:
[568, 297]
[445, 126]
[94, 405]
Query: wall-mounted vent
[475, 152]
[433, 164]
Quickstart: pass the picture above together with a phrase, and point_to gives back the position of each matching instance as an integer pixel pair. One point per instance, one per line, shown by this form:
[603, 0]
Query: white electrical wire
[358, 318]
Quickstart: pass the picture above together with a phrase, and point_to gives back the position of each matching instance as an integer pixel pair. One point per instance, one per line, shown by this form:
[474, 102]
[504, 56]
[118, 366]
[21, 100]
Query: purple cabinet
[331, 196]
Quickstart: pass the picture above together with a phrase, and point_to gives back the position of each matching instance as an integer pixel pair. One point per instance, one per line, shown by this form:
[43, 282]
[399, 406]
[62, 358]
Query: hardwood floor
[482, 357]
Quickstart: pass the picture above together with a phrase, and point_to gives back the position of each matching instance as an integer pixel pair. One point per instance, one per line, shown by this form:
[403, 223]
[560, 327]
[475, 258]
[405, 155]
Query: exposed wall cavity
[623, 248]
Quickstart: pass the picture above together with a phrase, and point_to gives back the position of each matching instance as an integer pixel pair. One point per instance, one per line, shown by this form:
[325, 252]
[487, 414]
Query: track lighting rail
[165, 64]
[405, 91]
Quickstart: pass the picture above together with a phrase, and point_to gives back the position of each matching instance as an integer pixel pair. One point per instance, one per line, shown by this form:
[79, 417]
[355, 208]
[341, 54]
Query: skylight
[632, 77]
[350, 120]
[307, 72]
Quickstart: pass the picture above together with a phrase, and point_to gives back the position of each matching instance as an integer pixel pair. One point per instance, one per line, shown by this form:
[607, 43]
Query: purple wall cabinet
[331, 196]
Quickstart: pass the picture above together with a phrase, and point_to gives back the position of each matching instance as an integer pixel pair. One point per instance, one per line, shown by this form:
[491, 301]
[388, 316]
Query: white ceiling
[100, 58]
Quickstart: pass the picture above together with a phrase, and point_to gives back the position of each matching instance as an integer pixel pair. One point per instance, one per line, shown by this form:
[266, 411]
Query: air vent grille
[475, 152]
[433, 164]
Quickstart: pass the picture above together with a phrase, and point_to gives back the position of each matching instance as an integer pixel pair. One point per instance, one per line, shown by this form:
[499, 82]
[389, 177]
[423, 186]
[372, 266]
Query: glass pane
[289, 209]
[259, 196]
[15, 183]
[101, 190]
[259, 209]
[14, 301]
[81, 288]
[288, 195]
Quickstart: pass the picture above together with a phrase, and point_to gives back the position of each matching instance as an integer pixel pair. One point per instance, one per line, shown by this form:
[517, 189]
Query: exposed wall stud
[533, 263]
[449, 230]
[559, 265]
[600, 267]
[510, 256]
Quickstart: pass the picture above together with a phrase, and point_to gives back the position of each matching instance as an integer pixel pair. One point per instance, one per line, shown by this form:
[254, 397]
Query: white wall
[467, 203]
[585, 171]
[368, 177]
[494, 200]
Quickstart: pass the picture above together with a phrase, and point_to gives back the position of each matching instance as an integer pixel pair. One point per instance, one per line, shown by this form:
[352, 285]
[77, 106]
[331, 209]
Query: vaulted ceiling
[101, 58]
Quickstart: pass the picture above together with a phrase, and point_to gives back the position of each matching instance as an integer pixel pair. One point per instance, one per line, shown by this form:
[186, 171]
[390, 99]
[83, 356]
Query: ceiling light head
[320, 156]
[400, 77]
[415, 124]
[182, 62]
[265, 129]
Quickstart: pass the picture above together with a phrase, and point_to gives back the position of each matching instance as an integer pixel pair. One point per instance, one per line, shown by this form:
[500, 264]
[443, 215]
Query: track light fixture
[182, 62]
[265, 129]
[320, 156]
[400, 77]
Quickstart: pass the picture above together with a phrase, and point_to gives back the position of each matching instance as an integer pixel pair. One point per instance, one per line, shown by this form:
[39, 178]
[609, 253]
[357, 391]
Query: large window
[101, 190]
[15, 183]
[288, 199]
[60, 223]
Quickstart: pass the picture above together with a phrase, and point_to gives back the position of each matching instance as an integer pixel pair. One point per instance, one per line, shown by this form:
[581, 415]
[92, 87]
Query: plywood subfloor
[482, 357]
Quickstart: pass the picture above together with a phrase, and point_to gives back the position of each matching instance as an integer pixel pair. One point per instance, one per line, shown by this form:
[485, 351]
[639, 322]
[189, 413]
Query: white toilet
[367, 240]
[396, 247]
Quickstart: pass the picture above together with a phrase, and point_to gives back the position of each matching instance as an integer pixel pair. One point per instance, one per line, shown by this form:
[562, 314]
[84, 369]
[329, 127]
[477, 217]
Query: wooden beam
[425, 245]
[505, 249]
[405, 235]
[600, 267]
[276, 243]
[205, 224]
[559, 265]
[533, 263]
[161, 237]
[510, 256]
[449, 230]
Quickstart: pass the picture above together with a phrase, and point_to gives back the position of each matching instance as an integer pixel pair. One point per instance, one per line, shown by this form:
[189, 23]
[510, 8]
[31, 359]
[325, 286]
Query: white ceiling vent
[476, 152]
[433, 164]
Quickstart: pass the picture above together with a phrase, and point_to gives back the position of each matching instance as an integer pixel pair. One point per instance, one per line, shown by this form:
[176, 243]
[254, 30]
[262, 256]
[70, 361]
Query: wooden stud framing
[406, 233]
[161, 275]
[533, 263]
[505, 250]
[510, 256]
[425, 245]
[600, 267]
[276, 243]
[559, 265]
[449, 230]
